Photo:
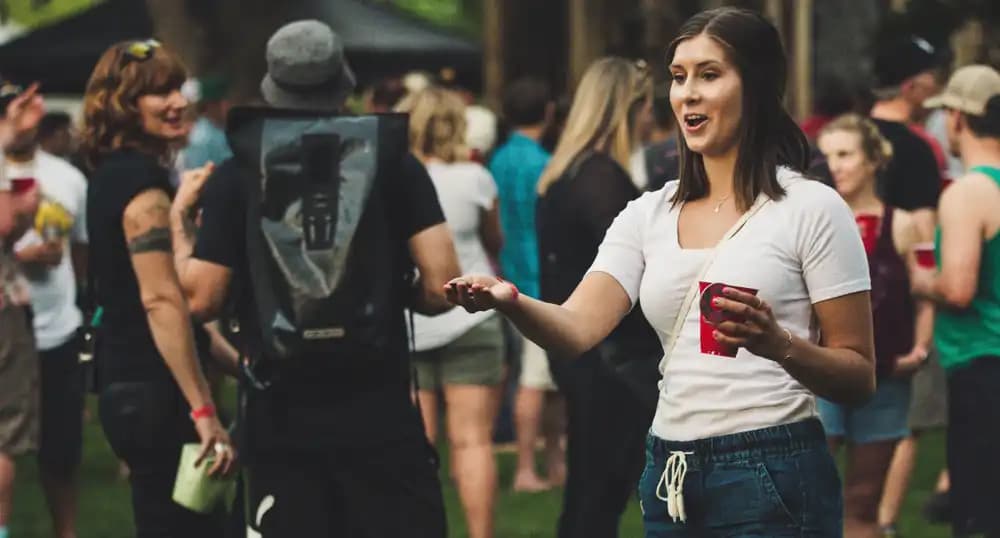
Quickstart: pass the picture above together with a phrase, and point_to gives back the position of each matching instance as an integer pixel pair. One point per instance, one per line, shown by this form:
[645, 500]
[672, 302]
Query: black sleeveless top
[892, 303]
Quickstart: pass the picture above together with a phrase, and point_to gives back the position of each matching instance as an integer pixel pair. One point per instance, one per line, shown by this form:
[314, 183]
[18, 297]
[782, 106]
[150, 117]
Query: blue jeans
[774, 482]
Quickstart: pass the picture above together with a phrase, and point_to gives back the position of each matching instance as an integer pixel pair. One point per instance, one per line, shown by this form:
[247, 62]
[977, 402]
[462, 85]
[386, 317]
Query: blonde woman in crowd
[856, 152]
[458, 354]
[585, 185]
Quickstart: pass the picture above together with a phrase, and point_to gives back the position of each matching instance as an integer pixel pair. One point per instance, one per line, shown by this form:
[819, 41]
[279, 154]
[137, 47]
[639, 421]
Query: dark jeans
[146, 424]
[973, 447]
[61, 445]
[775, 482]
[607, 426]
[376, 491]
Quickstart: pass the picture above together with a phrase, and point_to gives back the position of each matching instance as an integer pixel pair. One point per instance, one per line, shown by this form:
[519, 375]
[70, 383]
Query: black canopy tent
[379, 41]
[383, 41]
[62, 55]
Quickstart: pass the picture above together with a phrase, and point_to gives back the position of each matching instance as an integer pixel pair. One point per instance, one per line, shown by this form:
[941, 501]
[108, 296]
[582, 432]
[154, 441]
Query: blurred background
[478, 44]
[479, 47]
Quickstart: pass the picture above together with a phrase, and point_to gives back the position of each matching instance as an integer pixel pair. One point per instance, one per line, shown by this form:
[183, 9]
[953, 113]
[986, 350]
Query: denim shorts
[776, 482]
[883, 418]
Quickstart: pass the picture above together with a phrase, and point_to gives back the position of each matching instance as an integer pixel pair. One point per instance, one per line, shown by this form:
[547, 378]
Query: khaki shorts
[929, 402]
[475, 358]
[535, 372]
[19, 384]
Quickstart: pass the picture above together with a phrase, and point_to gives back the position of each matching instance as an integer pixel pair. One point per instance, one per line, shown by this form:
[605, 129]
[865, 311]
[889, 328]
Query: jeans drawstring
[673, 479]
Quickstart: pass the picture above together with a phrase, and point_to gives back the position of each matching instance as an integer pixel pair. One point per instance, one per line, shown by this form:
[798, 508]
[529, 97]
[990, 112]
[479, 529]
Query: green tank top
[965, 335]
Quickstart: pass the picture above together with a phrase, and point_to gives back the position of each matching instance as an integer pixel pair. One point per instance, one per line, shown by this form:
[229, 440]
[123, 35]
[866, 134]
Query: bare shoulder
[972, 192]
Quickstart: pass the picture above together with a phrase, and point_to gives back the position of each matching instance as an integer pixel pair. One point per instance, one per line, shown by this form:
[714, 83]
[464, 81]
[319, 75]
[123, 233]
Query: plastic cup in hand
[194, 489]
[711, 316]
[925, 255]
[868, 225]
[22, 185]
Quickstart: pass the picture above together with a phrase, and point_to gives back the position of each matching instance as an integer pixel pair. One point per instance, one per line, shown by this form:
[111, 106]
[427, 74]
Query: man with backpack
[311, 231]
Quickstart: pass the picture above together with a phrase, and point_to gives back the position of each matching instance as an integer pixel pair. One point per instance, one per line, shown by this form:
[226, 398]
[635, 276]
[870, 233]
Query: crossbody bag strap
[693, 290]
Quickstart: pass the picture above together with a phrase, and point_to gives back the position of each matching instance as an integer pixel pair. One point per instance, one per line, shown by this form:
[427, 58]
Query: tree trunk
[222, 37]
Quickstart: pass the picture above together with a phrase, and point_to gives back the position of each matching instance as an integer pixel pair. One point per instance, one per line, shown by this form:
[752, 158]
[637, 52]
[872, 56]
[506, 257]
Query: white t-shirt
[64, 209]
[798, 251]
[465, 191]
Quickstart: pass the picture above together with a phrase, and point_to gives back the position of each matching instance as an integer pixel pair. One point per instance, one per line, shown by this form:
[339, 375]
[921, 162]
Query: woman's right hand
[215, 440]
[476, 293]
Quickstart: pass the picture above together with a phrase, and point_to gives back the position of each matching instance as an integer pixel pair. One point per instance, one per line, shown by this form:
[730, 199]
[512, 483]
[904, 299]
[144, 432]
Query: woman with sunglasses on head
[735, 448]
[581, 191]
[154, 397]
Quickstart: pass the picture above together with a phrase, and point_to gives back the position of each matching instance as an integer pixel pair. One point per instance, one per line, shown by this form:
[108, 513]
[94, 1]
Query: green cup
[194, 489]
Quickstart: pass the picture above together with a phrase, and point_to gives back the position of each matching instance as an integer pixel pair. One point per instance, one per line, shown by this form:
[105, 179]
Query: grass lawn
[105, 509]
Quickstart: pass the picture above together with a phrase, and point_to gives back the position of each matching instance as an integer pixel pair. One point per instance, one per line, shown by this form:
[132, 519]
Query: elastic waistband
[783, 439]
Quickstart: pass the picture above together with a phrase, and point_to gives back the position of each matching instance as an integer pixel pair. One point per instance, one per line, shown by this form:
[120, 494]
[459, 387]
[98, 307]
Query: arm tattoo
[156, 239]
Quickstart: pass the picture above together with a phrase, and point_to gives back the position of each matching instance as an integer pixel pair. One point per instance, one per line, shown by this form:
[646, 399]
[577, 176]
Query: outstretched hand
[476, 293]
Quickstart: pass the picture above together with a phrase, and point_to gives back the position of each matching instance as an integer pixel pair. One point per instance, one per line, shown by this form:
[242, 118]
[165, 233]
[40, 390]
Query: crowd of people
[694, 299]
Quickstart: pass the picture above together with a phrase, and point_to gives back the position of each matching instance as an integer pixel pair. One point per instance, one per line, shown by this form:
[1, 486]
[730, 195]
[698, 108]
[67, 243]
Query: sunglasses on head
[140, 51]
[10, 90]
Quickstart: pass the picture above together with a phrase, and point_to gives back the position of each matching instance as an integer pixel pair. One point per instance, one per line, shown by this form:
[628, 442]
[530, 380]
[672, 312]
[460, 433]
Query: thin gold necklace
[718, 206]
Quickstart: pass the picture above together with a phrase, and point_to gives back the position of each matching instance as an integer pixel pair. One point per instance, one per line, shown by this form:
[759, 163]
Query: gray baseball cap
[306, 68]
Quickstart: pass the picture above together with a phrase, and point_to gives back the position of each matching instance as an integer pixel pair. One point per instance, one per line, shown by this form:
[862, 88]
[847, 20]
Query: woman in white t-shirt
[735, 448]
[457, 353]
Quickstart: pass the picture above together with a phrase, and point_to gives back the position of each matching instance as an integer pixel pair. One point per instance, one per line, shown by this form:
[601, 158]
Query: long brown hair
[111, 117]
[601, 116]
[767, 136]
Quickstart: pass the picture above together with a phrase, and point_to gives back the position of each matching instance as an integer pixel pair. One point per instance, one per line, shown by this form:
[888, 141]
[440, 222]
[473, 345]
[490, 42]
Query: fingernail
[716, 302]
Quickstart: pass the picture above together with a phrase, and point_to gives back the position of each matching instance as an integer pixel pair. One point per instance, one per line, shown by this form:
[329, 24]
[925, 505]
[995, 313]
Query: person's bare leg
[471, 412]
[527, 421]
[429, 412]
[6, 488]
[867, 466]
[943, 484]
[897, 482]
[554, 426]
[61, 494]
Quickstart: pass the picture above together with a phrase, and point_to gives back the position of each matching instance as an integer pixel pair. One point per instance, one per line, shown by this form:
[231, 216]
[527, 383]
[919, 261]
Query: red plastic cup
[712, 316]
[925, 255]
[868, 225]
[22, 185]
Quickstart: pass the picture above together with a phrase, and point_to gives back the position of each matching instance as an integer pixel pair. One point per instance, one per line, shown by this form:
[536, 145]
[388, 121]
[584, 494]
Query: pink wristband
[517, 293]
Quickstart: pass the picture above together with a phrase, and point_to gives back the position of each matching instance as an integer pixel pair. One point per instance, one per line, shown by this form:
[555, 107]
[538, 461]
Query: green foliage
[37, 13]
[461, 15]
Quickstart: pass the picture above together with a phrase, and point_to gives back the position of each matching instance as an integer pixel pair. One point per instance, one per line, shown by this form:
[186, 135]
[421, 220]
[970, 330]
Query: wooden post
[967, 42]
[587, 40]
[775, 11]
[493, 51]
[803, 58]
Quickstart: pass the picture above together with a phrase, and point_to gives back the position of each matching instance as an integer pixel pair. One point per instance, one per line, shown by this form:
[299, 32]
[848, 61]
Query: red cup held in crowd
[868, 225]
[22, 185]
[925, 255]
[711, 316]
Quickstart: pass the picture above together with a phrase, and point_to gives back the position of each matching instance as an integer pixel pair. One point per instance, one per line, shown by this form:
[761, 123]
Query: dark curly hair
[111, 117]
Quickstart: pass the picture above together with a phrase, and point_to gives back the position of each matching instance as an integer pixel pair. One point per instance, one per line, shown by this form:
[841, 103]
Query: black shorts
[61, 445]
[974, 446]
[371, 492]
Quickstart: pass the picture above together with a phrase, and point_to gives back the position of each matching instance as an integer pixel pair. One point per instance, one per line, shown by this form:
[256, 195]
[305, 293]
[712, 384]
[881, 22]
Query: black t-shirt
[573, 216]
[353, 401]
[663, 163]
[126, 349]
[912, 180]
